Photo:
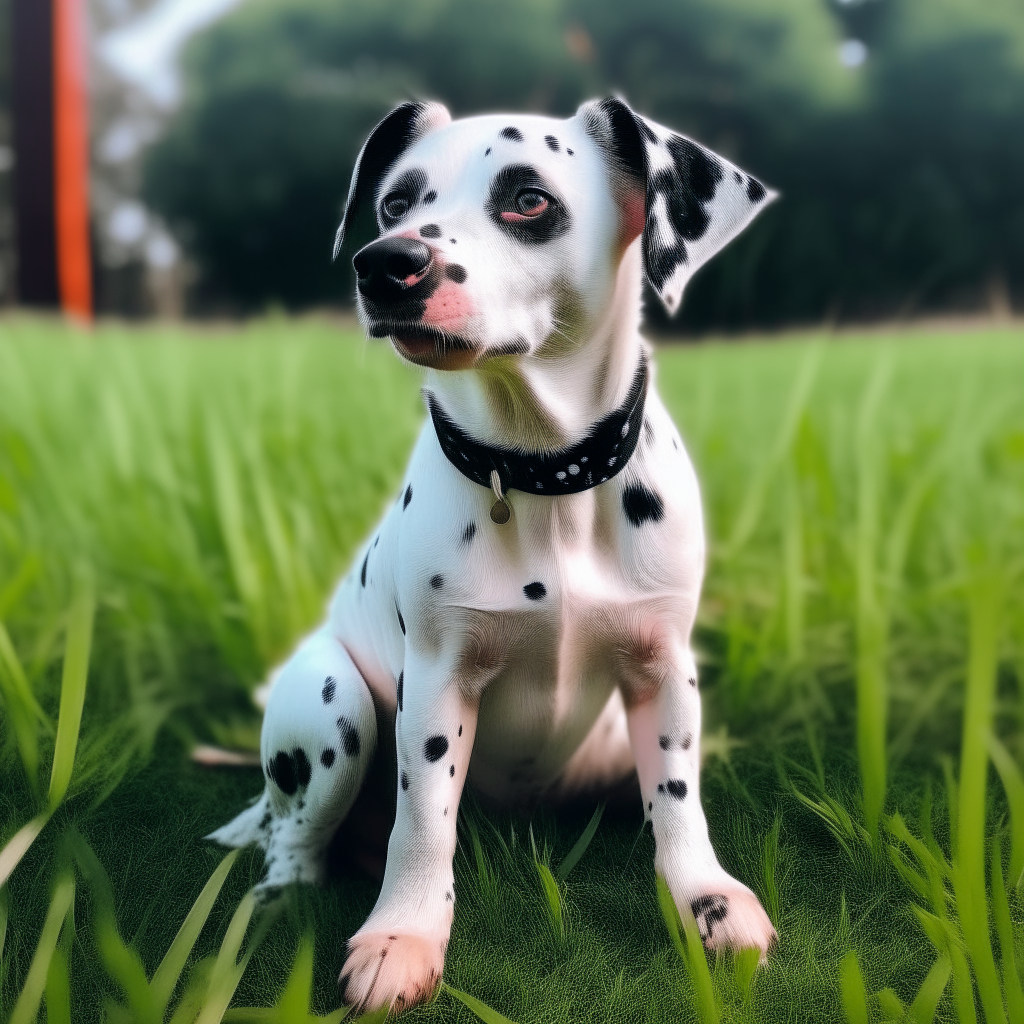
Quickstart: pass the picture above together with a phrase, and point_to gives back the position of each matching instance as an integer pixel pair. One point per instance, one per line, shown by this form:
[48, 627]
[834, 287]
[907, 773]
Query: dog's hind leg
[318, 737]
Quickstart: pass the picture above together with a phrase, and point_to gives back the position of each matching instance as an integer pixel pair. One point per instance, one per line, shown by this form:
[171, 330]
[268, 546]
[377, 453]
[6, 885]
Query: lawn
[175, 505]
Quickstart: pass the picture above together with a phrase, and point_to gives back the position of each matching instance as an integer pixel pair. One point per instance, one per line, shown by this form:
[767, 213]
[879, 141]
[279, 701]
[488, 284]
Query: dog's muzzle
[390, 270]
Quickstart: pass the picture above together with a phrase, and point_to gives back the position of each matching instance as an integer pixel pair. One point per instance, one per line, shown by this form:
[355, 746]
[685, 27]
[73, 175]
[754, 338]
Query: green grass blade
[963, 986]
[27, 1006]
[572, 858]
[482, 1010]
[753, 501]
[691, 952]
[985, 601]
[554, 898]
[922, 1010]
[22, 707]
[1004, 929]
[17, 846]
[294, 1002]
[851, 988]
[3, 921]
[72, 687]
[769, 872]
[1013, 785]
[226, 973]
[166, 976]
[58, 990]
[871, 688]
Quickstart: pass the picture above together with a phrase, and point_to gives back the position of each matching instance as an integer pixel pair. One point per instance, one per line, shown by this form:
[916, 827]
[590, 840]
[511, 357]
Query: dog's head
[504, 235]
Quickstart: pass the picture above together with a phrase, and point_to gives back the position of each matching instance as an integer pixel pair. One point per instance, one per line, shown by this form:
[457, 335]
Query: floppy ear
[407, 123]
[694, 202]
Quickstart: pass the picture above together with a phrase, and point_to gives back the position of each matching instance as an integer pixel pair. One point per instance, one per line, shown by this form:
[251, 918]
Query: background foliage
[900, 178]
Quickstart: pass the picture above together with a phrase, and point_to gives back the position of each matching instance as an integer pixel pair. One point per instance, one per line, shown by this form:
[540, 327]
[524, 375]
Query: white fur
[531, 696]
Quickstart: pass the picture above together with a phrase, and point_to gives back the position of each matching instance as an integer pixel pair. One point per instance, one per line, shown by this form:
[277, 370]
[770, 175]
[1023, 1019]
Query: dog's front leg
[664, 730]
[397, 957]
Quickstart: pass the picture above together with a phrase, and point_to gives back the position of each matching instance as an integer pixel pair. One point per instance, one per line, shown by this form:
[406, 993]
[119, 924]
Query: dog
[523, 612]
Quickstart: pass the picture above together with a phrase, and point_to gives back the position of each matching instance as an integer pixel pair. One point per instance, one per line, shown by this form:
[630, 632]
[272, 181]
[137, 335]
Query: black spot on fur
[511, 133]
[640, 504]
[349, 737]
[456, 272]
[407, 498]
[687, 740]
[401, 687]
[452, 240]
[401, 621]
[405, 781]
[327, 757]
[448, 896]
[430, 196]
[738, 177]
[650, 805]
[328, 691]
[435, 748]
[266, 819]
[303, 769]
[663, 742]
[451, 770]
[755, 190]
[552, 143]
[487, 152]
[693, 680]
[708, 911]
[437, 582]
[281, 770]
[687, 187]
[676, 788]
[362, 573]
[535, 591]
[661, 787]
[469, 533]
[648, 430]
[460, 730]
[430, 231]
[675, 444]
[621, 136]
[569, 151]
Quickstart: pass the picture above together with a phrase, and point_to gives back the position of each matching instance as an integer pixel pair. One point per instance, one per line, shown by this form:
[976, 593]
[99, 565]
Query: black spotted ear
[385, 144]
[694, 201]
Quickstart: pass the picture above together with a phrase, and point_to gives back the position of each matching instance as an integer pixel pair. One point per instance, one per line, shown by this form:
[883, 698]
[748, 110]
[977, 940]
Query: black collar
[604, 452]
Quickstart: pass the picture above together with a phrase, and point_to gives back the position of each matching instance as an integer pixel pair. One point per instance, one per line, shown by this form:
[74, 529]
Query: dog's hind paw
[391, 969]
[730, 916]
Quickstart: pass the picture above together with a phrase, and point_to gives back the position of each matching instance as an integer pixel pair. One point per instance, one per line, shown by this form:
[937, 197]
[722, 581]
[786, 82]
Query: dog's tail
[248, 827]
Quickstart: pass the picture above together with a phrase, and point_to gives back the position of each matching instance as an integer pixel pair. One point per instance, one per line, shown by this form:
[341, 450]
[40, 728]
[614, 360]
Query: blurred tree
[898, 152]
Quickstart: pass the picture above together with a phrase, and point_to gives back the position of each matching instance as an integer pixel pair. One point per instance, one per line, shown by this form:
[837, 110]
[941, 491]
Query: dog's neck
[544, 402]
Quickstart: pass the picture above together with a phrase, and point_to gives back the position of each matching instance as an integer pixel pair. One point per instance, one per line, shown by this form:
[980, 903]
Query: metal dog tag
[501, 510]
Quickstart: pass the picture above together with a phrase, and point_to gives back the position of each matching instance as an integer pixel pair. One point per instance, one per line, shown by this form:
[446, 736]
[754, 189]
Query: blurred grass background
[186, 498]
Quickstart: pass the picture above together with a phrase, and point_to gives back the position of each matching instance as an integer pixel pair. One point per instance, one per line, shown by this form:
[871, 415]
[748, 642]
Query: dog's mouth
[427, 346]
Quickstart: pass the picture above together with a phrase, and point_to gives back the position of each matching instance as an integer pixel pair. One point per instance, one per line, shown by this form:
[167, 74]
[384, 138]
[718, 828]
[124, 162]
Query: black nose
[388, 268]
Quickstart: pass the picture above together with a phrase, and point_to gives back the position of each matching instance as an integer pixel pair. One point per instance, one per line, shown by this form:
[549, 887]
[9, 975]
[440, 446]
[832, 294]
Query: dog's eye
[531, 203]
[395, 206]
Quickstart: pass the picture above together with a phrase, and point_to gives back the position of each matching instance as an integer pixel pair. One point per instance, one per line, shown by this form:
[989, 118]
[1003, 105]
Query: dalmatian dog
[524, 610]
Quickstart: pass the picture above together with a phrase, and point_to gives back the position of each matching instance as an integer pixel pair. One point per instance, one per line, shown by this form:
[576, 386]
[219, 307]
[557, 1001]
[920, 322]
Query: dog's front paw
[391, 969]
[729, 916]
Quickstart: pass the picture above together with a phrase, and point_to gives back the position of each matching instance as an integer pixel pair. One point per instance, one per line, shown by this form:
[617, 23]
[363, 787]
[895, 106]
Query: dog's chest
[542, 617]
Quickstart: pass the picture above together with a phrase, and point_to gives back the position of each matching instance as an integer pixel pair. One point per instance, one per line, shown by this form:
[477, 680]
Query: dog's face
[503, 235]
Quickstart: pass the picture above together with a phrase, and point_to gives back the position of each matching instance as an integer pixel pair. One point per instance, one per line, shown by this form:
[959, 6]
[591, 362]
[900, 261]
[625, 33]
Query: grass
[175, 505]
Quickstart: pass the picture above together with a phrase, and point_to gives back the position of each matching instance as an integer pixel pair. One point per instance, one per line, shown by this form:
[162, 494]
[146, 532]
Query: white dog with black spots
[524, 610]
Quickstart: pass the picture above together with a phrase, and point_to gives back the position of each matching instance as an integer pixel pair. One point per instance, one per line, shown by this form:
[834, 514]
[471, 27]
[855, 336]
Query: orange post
[71, 158]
